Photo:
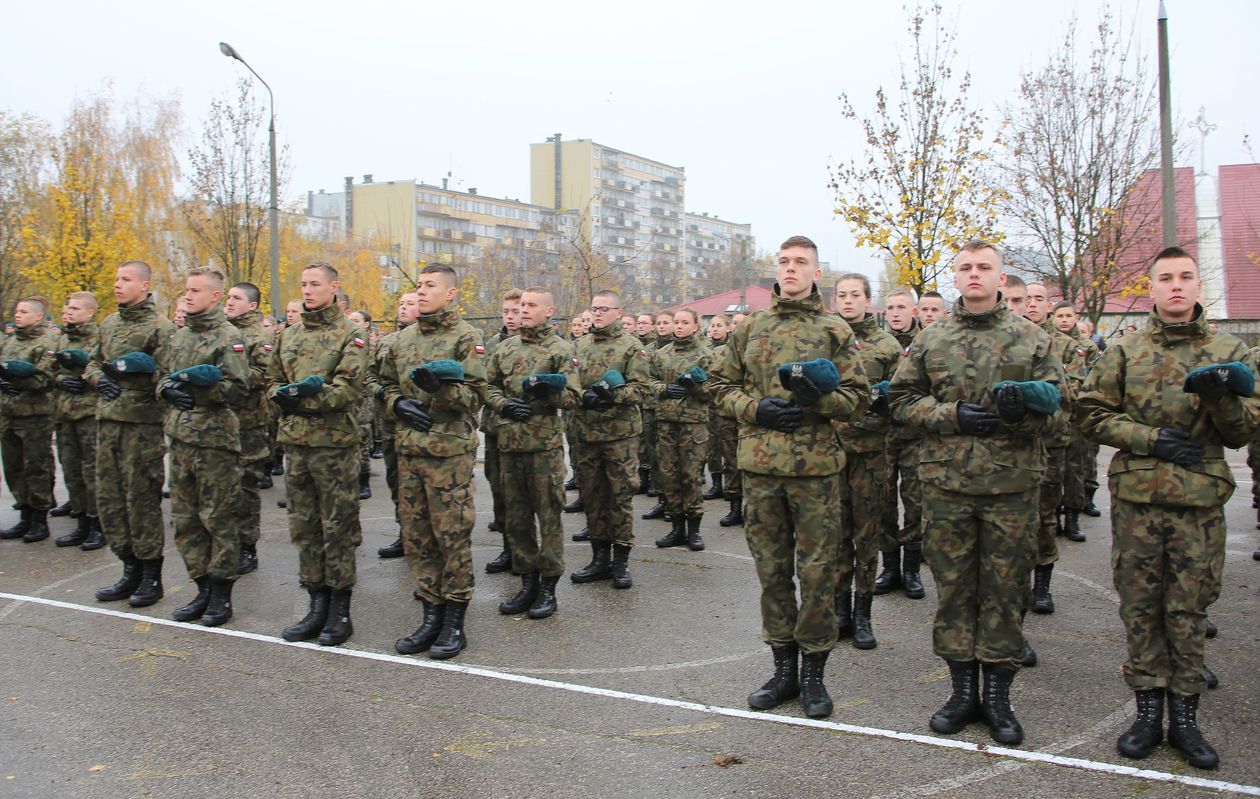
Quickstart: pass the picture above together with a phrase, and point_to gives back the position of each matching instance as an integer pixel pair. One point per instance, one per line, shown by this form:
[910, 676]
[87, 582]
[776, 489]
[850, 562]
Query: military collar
[209, 319]
[1197, 327]
[36, 330]
[611, 331]
[661, 341]
[327, 316]
[685, 344]
[80, 331]
[1047, 325]
[443, 319]
[909, 332]
[248, 319]
[811, 303]
[998, 313]
[138, 311]
[536, 333]
[865, 327]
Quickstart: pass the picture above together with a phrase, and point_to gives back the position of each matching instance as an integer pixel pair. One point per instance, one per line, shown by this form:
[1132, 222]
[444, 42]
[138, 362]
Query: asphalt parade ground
[621, 693]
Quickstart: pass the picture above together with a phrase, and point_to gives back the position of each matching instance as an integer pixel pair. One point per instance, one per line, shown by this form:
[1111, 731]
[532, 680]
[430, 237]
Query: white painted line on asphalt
[1045, 758]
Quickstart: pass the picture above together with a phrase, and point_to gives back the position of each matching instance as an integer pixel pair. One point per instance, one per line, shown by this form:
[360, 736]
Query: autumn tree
[23, 151]
[918, 190]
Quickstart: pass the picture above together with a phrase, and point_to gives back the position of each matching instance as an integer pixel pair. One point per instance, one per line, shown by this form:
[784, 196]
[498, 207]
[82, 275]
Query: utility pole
[1169, 185]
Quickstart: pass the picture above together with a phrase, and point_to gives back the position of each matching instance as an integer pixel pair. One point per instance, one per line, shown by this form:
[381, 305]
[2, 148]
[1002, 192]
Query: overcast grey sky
[741, 94]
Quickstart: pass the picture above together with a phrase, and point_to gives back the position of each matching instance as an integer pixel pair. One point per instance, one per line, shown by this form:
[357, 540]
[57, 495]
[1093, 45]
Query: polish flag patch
[360, 343]
[480, 350]
[266, 348]
[575, 361]
[238, 347]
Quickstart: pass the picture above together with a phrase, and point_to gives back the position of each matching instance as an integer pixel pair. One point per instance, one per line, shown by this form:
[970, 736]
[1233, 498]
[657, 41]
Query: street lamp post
[273, 210]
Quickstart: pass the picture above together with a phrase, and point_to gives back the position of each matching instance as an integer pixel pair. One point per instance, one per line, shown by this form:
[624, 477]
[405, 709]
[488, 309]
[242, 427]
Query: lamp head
[229, 51]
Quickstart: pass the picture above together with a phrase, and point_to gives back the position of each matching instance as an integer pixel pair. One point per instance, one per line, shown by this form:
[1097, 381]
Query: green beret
[820, 371]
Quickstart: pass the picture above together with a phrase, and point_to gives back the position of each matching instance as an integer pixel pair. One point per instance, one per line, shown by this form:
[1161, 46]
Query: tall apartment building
[720, 255]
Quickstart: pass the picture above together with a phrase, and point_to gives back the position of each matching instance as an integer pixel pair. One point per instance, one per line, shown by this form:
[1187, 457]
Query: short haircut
[85, 297]
[932, 295]
[325, 267]
[901, 291]
[146, 271]
[250, 291]
[442, 269]
[298, 303]
[975, 245]
[799, 241]
[1171, 252]
[1015, 282]
[512, 295]
[343, 298]
[366, 314]
[608, 293]
[695, 317]
[640, 316]
[539, 290]
[210, 272]
[37, 300]
[1064, 304]
[866, 283]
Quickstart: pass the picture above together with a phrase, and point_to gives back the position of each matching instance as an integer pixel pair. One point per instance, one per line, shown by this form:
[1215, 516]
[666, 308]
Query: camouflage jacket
[961, 358]
[379, 355]
[1058, 432]
[906, 337]
[324, 344]
[1085, 354]
[254, 409]
[611, 348]
[898, 432]
[487, 415]
[440, 336]
[33, 344]
[717, 407]
[748, 371]
[880, 354]
[73, 407]
[212, 423]
[664, 366]
[1136, 388]
[534, 350]
[136, 328]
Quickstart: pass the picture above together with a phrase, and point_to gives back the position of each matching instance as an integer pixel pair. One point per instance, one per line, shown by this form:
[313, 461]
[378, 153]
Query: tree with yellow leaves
[23, 152]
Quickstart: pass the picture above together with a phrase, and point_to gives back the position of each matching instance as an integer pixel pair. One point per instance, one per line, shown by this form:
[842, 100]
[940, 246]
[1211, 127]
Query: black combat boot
[1072, 525]
[582, 535]
[656, 511]
[844, 614]
[524, 598]
[248, 561]
[1209, 677]
[313, 622]
[197, 605]
[995, 706]
[494, 526]
[20, 529]
[600, 567]
[277, 468]
[653, 491]
[1029, 658]
[79, 535]
[863, 637]
[576, 506]
[378, 450]
[1148, 727]
[715, 490]
[220, 608]
[452, 639]
[1042, 601]
[572, 484]
[365, 486]
[677, 535]
[265, 481]
[621, 567]
[736, 516]
[694, 542]
[96, 536]
[890, 578]
[644, 483]
[428, 631]
[814, 697]
[1184, 734]
[783, 684]
[150, 589]
[911, 583]
[338, 627]
[64, 509]
[963, 706]
[545, 603]
[1209, 629]
[503, 562]
[39, 527]
[394, 550]
[1091, 510]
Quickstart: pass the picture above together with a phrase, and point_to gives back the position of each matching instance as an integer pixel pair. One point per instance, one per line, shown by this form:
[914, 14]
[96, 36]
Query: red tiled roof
[756, 298]
[1240, 234]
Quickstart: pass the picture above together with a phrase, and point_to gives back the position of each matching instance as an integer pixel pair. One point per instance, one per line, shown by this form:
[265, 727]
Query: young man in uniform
[76, 419]
[408, 310]
[663, 323]
[931, 308]
[365, 411]
[1080, 475]
[786, 374]
[253, 412]
[726, 432]
[26, 419]
[1170, 399]
[719, 327]
[510, 312]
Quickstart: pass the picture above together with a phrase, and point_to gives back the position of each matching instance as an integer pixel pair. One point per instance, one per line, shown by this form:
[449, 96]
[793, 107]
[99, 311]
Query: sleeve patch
[266, 348]
[575, 361]
[238, 346]
[479, 349]
[360, 343]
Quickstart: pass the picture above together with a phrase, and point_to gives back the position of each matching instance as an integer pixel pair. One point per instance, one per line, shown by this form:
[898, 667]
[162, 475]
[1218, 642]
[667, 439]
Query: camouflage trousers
[533, 487]
[255, 457]
[680, 452]
[322, 494]
[728, 429]
[130, 469]
[866, 478]
[494, 476]
[1049, 497]
[390, 451]
[792, 527]
[1166, 564]
[365, 437]
[980, 549]
[205, 508]
[609, 474]
[1077, 466]
[26, 450]
[714, 455]
[572, 442]
[436, 508]
[76, 449]
[1253, 463]
[903, 465]
[647, 448]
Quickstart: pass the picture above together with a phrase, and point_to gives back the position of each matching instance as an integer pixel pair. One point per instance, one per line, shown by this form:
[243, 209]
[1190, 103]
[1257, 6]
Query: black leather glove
[674, 391]
[180, 399]
[805, 393]
[287, 402]
[879, 401]
[8, 388]
[687, 381]
[108, 387]
[1010, 403]
[974, 420]
[593, 401]
[427, 380]
[1211, 385]
[778, 414]
[1177, 446]
[414, 414]
[518, 410]
[380, 393]
[109, 369]
[74, 385]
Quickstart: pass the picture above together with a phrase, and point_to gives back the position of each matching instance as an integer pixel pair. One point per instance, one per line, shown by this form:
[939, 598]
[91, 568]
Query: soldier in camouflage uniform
[76, 418]
[980, 466]
[663, 323]
[253, 412]
[511, 314]
[866, 469]
[1082, 455]
[203, 374]
[608, 427]
[531, 377]
[791, 457]
[316, 380]
[903, 464]
[365, 411]
[1170, 419]
[726, 428]
[436, 442]
[680, 385]
[130, 446]
[645, 332]
[26, 419]
[719, 327]
[408, 310]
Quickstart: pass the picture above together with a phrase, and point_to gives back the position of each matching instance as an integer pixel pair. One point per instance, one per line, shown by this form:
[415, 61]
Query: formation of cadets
[981, 424]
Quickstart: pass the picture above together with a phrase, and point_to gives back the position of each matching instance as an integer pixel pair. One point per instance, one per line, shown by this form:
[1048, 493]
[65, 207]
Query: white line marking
[715, 710]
